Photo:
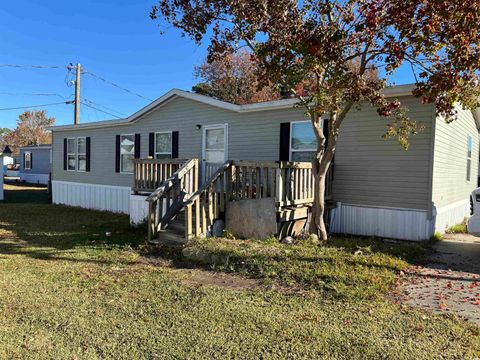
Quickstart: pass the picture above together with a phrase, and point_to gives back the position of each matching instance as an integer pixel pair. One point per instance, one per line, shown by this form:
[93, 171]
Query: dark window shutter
[151, 145]
[325, 131]
[117, 154]
[284, 141]
[137, 146]
[31, 160]
[64, 154]
[175, 145]
[87, 153]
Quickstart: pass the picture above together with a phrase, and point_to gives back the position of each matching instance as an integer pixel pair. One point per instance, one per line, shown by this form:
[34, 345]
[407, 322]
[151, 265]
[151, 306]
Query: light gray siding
[40, 161]
[450, 183]
[253, 136]
[376, 172]
[369, 170]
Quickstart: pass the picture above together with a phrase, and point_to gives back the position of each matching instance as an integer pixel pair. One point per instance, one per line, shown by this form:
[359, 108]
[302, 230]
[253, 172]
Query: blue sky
[112, 38]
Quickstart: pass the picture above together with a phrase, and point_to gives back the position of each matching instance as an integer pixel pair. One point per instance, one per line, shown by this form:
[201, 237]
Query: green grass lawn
[67, 291]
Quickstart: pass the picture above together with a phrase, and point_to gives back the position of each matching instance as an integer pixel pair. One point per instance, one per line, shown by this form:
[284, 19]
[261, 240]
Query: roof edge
[399, 90]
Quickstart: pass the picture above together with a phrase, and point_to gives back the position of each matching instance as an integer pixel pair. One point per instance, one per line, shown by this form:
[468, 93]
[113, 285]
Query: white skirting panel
[451, 214]
[138, 209]
[405, 224]
[34, 178]
[92, 196]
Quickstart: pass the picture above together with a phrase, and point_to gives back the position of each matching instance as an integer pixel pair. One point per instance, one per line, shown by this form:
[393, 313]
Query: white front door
[214, 151]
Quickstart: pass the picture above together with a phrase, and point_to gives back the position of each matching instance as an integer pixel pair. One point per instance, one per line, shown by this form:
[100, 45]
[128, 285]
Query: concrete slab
[251, 219]
[450, 282]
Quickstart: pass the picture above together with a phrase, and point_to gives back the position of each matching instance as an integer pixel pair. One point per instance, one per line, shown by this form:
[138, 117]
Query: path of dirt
[450, 282]
[201, 277]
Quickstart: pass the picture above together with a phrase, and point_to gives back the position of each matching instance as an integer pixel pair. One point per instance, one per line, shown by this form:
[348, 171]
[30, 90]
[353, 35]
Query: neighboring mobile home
[36, 164]
[378, 188]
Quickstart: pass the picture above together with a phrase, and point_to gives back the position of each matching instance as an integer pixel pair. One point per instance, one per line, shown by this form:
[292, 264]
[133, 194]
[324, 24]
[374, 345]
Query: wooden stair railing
[289, 183]
[168, 199]
[149, 174]
[208, 202]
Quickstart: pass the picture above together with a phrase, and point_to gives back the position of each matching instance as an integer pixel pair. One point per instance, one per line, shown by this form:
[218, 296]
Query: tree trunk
[317, 223]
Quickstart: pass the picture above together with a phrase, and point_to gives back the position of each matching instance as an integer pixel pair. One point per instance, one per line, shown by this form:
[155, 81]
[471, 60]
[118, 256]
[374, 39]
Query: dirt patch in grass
[192, 276]
[228, 281]
[345, 267]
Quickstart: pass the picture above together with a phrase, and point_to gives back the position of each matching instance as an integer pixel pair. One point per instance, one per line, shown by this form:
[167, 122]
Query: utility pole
[77, 95]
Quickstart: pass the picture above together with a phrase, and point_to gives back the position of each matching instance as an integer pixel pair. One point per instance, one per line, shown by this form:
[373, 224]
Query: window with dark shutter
[117, 153]
[175, 145]
[87, 154]
[137, 146]
[151, 145]
[284, 142]
[65, 154]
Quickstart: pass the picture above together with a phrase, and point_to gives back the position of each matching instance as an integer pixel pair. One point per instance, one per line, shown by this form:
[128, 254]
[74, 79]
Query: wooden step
[177, 226]
[169, 238]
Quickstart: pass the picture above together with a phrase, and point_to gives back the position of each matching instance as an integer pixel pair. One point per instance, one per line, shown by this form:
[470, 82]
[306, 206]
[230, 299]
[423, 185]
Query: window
[71, 155]
[469, 156]
[82, 154]
[303, 143]
[163, 145]
[127, 152]
[28, 160]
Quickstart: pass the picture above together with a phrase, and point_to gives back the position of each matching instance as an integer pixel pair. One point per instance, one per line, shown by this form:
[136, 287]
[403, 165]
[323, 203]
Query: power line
[35, 106]
[102, 106]
[95, 108]
[32, 66]
[117, 86]
[31, 94]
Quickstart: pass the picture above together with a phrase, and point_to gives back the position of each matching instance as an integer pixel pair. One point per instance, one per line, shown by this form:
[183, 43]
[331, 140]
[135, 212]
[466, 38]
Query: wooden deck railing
[149, 174]
[289, 183]
[168, 199]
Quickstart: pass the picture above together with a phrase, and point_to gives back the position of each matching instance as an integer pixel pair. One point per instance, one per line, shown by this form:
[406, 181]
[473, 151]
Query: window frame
[121, 155]
[468, 169]
[74, 154]
[25, 160]
[155, 153]
[291, 150]
[78, 154]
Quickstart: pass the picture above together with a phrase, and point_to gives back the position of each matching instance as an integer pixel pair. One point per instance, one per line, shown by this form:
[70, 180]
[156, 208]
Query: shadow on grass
[18, 192]
[45, 231]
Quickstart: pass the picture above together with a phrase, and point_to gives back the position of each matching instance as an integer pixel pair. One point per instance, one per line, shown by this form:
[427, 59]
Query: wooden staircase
[173, 234]
[179, 209]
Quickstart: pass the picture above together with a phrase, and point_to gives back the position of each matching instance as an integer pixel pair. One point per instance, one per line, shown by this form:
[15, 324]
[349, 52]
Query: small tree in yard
[234, 79]
[334, 46]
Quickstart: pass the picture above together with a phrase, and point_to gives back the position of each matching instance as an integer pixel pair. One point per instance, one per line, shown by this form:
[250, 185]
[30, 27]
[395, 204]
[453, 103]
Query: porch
[179, 201]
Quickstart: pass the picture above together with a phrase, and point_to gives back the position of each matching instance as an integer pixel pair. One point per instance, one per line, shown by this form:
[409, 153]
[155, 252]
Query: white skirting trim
[138, 209]
[451, 214]
[405, 224]
[34, 178]
[92, 196]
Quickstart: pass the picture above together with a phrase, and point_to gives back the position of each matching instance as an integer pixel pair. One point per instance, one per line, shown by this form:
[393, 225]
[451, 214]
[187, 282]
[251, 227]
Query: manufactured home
[191, 154]
[36, 164]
